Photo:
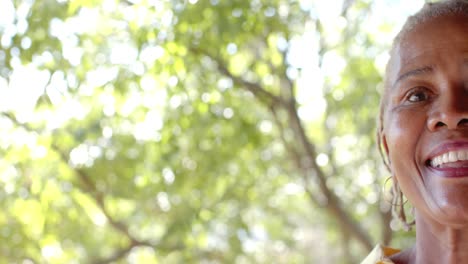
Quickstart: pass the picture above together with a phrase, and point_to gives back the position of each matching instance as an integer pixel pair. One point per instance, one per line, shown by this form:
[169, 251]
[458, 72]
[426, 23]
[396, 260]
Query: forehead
[433, 33]
[425, 42]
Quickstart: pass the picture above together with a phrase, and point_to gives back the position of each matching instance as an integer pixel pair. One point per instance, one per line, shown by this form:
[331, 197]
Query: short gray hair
[433, 10]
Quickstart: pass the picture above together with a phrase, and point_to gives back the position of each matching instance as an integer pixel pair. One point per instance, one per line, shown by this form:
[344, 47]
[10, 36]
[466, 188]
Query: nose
[451, 111]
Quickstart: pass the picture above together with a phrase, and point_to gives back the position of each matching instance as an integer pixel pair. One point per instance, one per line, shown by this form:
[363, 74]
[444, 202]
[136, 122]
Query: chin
[452, 215]
[445, 202]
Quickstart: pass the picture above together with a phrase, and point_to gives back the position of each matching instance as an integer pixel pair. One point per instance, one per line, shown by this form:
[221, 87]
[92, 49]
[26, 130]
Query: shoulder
[380, 255]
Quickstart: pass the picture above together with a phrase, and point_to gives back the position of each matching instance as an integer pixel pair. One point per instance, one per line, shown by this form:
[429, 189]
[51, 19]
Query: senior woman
[424, 132]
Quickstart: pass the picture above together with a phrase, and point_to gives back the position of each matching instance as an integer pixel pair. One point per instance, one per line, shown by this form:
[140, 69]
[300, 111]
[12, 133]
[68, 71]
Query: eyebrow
[415, 72]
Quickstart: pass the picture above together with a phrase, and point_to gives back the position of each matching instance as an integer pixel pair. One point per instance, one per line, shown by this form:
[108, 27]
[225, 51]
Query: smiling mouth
[451, 159]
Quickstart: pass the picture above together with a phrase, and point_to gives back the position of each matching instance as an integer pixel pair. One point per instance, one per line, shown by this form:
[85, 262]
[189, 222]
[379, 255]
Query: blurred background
[194, 131]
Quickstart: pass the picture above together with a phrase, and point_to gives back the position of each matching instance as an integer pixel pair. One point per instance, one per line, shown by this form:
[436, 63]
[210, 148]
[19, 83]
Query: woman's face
[425, 121]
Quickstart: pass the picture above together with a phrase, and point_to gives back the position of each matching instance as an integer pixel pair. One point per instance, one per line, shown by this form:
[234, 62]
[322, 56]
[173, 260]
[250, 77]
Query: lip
[459, 172]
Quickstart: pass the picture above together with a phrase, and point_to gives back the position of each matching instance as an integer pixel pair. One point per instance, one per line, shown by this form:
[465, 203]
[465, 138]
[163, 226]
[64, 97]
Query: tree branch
[257, 90]
[272, 101]
[116, 256]
[97, 196]
[333, 202]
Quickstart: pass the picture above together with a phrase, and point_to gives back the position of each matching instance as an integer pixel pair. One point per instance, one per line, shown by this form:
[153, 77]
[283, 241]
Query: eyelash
[418, 91]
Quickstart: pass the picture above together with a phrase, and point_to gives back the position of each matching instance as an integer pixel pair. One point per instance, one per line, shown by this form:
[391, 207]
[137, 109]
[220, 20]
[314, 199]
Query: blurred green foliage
[175, 131]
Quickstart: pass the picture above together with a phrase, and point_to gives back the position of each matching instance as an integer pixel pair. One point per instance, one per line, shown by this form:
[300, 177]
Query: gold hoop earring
[398, 205]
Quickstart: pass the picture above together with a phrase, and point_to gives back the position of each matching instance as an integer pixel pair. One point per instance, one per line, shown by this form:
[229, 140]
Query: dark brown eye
[418, 95]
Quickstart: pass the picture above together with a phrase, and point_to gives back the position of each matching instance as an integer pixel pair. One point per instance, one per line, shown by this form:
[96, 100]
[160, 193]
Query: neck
[436, 243]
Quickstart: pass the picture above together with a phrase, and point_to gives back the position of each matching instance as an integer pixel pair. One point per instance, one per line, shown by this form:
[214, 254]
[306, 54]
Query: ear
[386, 152]
[385, 146]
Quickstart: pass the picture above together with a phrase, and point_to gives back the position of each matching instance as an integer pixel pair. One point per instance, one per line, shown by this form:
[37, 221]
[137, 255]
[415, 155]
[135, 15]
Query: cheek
[402, 137]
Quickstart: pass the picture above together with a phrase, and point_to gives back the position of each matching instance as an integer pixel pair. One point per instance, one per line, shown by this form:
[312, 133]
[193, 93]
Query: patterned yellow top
[380, 255]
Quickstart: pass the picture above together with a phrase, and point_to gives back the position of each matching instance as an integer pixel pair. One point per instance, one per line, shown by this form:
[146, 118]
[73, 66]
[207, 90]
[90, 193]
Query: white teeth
[462, 155]
[445, 158]
[451, 156]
